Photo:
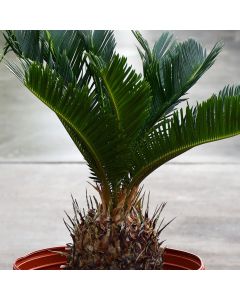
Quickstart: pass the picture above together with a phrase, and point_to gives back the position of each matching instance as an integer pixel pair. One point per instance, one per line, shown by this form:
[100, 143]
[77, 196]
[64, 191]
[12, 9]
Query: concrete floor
[40, 168]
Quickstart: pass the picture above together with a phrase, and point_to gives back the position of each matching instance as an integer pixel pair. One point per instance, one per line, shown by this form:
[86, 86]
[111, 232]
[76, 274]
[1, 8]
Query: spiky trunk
[125, 239]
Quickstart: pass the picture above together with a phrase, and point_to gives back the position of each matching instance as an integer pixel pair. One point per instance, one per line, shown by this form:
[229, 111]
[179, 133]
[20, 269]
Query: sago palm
[125, 125]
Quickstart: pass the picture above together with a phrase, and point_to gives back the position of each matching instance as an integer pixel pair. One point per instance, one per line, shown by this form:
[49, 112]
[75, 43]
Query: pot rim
[169, 253]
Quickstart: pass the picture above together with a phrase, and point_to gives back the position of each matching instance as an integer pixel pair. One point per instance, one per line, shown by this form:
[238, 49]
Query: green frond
[164, 44]
[62, 50]
[212, 120]
[25, 44]
[171, 69]
[128, 95]
[94, 132]
[100, 42]
[69, 103]
[229, 91]
[70, 48]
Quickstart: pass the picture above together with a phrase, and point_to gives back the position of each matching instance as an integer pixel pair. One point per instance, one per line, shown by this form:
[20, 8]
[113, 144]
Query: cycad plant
[125, 124]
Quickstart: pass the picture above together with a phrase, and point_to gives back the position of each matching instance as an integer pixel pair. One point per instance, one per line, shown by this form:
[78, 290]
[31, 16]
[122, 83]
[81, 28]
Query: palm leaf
[25, 43]
[212, 120]
[172, 69]
[128, 95]
[62, 50]
[70, 46]
[117, 84]
[94, 132]
[100, 42]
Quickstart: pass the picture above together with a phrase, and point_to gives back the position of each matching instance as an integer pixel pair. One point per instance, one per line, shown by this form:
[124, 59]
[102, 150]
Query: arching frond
[212, 120]
[93, 131]
[172, 69]
[25, 44]
[62, 50]
[128, 95]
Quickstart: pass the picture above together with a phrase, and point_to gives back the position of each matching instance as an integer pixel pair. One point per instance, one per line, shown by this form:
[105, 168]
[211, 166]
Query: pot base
[47, 259]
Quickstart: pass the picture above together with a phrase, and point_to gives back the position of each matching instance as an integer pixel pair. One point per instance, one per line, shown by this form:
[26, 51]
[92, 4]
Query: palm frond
[229, 91]
[62, 50]
[24, 43]
[70, 48]
[128, 95]
[100, 42]
[94, 132]
[212, 120]
[105, 145]
[172, 69]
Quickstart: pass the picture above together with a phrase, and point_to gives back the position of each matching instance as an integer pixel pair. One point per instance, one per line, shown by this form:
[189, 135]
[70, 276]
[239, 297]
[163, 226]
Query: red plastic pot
[47, 260]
